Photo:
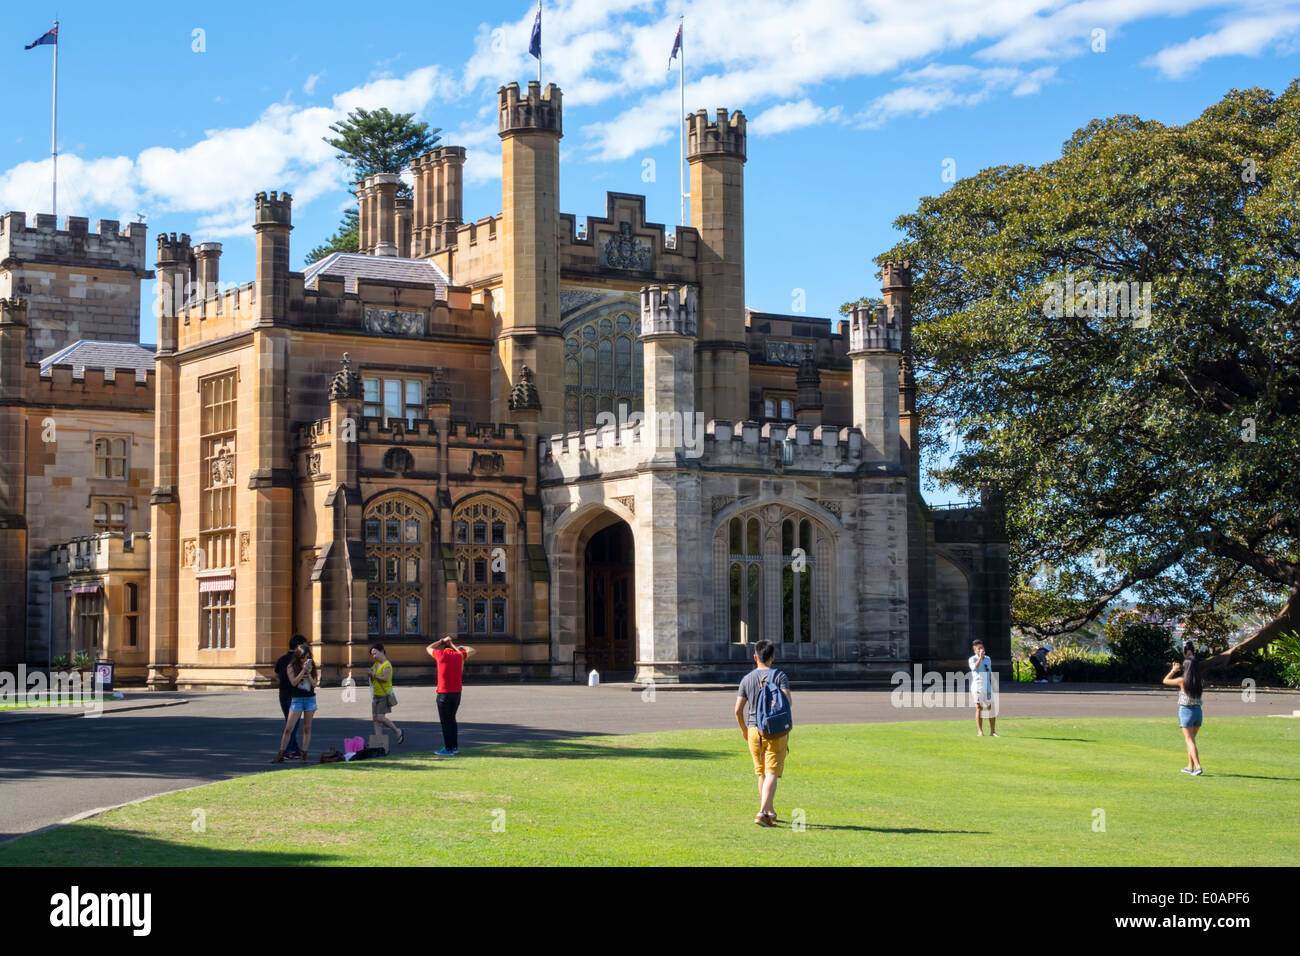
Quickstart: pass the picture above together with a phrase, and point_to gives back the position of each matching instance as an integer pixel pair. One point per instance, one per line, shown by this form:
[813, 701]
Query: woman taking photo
[303, 677]
[1190, 685]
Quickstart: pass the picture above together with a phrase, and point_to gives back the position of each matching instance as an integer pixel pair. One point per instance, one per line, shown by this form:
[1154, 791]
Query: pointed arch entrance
[609, 600]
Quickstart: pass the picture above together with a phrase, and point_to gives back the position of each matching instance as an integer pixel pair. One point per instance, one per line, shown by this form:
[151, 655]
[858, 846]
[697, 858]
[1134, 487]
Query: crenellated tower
[273, 222]
[13, 482]
[875, 344]
[715, 149]
[896, 285]
[528, 329]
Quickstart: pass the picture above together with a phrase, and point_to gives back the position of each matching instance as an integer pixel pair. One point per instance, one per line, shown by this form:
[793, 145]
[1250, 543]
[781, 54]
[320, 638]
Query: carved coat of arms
[625, 251]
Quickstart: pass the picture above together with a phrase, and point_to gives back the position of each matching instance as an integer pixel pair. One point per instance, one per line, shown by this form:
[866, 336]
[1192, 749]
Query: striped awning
[86, 588]
[216, 584]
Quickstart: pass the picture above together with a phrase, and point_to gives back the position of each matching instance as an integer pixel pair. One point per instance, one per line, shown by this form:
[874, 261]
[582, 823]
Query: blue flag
[49, 39]
[535, 44]
[677, 45]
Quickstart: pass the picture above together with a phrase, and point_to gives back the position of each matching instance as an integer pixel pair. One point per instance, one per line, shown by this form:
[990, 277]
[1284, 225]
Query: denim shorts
[303, 704]
[1189, 716]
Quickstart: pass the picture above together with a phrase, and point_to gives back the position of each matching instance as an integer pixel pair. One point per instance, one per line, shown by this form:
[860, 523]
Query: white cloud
[309, 87]
[1245, 37]
[936, 87]
[787, 116]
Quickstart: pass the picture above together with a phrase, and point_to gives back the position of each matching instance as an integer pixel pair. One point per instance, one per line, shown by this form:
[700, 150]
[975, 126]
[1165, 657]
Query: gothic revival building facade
[572, 447]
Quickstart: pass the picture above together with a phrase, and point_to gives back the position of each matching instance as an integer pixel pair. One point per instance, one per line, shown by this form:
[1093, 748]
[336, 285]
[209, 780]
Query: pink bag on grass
[352, 744]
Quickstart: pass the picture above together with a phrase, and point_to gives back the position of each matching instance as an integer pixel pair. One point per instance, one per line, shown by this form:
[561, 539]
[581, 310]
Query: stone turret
[715, 149]
[808, 398]
[385, 186]
[668, 327]
[272, 223]
[173, 264]
[896, 285]
[874, 348]
[531, 125]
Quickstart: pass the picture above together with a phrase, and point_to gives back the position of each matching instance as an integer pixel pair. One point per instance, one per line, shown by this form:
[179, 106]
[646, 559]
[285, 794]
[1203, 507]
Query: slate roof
[87, 353]
[352, 266]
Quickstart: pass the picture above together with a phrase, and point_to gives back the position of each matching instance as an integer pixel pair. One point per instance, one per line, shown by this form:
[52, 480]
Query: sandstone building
[439, 434]
[76, 442]
[571, 445]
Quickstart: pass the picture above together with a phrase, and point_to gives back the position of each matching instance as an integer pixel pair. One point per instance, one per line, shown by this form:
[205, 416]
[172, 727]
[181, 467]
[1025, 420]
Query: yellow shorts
[768, 752]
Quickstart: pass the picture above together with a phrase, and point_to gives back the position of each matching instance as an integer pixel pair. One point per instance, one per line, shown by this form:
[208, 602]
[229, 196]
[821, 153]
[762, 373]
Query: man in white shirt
[981, 688]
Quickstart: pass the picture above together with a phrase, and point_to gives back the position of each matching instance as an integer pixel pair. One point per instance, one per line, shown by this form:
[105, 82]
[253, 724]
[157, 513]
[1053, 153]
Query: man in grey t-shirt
[768, 752]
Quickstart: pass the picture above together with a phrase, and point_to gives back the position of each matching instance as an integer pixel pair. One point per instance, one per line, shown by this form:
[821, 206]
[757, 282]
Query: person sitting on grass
[768, 752]
[382, 698]
[1190, 686]
[451, 666]
[981, 688]
[303, 677]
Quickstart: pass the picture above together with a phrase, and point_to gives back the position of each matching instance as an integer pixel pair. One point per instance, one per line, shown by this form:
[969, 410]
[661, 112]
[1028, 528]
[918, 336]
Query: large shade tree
[1146, 436]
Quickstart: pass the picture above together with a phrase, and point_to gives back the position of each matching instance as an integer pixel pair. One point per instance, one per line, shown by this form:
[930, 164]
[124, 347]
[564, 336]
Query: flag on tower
[677, 45]
[51, 38]
[535, 44]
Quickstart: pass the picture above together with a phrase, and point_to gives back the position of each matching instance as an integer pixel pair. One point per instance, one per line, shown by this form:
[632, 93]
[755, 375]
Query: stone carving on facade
[189, 549]
[625, 251]
[832, 506]
[628, 502]
[346, 383]
[721, 501]
[395, 322]
[222, 466]
[486, 463]
[524, 394]
[243, 547]
[781, 352]
[439, 390]
[571, 300]
[399, 460]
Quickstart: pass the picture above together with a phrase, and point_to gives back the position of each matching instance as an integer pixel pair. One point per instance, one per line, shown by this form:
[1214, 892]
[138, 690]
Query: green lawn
[905, 793]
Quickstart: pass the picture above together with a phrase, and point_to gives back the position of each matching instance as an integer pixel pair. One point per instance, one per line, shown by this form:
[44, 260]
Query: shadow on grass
[846, 826]
[86, 846]
[1076, 740]
[1252, 776]
[567, 750]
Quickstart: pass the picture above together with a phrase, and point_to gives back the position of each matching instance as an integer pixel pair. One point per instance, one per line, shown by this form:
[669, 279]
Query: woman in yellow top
[382, 698]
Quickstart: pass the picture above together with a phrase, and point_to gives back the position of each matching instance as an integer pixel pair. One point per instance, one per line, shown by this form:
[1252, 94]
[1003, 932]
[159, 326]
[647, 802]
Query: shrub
[82, 660]
[1075, 663]
[60, 663]
[1142, 652]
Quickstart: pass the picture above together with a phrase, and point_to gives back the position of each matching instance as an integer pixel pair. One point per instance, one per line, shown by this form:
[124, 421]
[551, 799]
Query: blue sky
[854, 106]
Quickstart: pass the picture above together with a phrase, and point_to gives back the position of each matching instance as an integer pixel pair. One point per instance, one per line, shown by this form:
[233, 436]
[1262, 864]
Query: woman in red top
[451, 665]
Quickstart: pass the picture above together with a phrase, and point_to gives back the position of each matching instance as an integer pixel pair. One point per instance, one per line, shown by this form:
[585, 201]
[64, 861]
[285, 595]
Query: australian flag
[535, 44]
[677, 46]
[50, 39]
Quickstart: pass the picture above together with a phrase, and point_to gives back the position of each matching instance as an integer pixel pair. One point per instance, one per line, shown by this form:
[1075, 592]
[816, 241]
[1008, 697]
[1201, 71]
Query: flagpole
[54, 129]
[681, 126]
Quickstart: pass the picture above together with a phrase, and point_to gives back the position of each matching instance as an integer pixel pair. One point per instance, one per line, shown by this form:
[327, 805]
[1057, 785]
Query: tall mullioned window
[772, 580]
[111, 458]
[602, 369]
[398, 541]
[483, 541]
[218, 424]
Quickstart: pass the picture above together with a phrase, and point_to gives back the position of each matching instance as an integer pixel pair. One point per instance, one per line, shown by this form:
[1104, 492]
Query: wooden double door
[610, 630]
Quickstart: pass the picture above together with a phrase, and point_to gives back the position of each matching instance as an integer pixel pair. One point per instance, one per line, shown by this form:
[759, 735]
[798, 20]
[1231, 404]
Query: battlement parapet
[13, 311]
[875, 330]
[173, 249]
[109, 247]
[896, 274]
[105, 551]
[668, 310]
[824, 449]
[534, 110]
[723, 136]
[273, 209]
[127, 388]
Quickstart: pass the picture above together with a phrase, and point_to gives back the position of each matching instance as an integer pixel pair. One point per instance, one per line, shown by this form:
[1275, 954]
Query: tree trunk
[1288, 619]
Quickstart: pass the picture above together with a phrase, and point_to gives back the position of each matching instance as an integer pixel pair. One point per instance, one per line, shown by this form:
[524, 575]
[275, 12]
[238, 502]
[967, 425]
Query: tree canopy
[1116, 334]
[379, 141]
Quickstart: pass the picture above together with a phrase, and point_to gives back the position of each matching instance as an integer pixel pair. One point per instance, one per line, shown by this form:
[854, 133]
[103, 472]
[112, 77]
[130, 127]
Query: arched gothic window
[484, 540]
[772, 569]
[398, 537]
[602, 368]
